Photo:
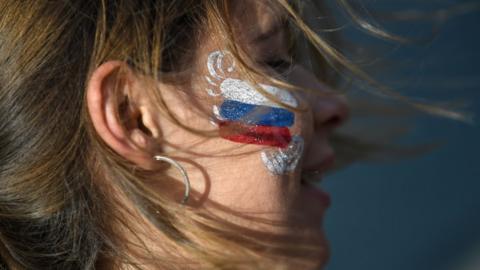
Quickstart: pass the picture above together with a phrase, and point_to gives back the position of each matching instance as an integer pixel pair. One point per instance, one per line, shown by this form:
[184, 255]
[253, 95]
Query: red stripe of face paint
[262, 135]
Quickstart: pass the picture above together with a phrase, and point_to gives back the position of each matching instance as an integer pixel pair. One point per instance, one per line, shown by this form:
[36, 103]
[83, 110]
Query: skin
[220, 171]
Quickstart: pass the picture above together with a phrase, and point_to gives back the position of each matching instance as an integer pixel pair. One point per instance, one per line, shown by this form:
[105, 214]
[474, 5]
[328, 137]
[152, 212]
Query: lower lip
[315, 192]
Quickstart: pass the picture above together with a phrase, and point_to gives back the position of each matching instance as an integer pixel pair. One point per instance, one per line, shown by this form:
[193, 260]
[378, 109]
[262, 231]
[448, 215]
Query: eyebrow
[276, 29]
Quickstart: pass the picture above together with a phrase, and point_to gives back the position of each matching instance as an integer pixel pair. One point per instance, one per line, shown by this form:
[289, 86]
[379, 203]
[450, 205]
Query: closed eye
[280, 65]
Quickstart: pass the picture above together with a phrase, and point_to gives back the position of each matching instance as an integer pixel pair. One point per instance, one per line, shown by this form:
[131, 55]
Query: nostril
[333, 121]
[341, 114]
[331, 112]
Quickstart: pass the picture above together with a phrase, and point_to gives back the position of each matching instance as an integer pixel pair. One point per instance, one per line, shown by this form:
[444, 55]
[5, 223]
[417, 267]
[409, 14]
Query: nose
[330, 110]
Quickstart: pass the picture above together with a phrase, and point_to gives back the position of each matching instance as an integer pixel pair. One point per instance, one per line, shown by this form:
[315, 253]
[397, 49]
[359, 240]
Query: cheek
[245, 115]
[304, 120]
[302, 77]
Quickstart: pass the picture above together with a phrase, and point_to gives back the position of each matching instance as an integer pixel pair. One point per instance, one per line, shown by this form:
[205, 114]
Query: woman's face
[263, 148]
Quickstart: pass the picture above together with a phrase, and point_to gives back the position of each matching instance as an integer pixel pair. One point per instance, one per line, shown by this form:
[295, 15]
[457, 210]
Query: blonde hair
[57, 176]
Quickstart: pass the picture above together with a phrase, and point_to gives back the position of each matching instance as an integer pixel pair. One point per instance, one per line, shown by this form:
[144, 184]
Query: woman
[163, 135]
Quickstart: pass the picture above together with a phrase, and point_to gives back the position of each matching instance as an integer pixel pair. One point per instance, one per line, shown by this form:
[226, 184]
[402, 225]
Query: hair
[61, 186]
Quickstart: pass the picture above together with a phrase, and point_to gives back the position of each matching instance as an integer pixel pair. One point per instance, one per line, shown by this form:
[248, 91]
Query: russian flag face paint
[254, 134]
[247, 116]
[286, 159]
[257, 115]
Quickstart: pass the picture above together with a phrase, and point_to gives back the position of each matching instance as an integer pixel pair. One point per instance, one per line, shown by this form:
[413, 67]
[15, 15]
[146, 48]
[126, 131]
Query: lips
[312, 177]
[313, 197]
[316, 193]
[326, 164]
[314, 173]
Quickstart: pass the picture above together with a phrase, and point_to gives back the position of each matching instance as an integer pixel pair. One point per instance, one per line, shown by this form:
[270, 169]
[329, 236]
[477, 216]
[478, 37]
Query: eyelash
[280, 65]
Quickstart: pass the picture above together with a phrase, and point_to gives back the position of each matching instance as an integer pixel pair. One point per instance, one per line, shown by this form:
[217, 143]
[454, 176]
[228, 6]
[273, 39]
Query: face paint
[256, 115]
[242, 91]
[247, 116]
[285, 160]
[261, 135]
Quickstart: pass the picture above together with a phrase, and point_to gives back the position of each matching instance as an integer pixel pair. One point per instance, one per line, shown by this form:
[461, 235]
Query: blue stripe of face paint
[256, 114]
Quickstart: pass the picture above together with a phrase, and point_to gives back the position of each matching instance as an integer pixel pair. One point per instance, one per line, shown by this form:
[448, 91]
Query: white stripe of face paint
[242, 91]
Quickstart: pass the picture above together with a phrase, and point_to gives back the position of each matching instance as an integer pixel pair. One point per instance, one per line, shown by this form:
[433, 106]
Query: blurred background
[424, 212]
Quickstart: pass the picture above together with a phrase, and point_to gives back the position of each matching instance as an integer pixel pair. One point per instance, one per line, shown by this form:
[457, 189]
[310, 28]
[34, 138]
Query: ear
[119, 115]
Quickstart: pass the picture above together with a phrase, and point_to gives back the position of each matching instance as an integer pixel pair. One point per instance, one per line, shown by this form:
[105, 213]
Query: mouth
[311, 179]
[314, 174]
[314, 192]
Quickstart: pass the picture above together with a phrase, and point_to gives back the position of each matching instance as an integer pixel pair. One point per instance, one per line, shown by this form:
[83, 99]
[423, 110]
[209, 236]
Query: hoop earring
[177, 165]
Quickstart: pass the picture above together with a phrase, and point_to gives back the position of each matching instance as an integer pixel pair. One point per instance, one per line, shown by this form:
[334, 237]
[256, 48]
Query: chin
[322, 256]
[316, 260]
[308, 232]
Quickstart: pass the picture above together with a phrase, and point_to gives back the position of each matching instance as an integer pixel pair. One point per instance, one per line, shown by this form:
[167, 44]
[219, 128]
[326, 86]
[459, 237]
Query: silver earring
[177, 165]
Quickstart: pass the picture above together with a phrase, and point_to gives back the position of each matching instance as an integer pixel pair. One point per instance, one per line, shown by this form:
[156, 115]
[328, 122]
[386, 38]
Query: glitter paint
[261, 135]
[216, 112]
[239, 90]
[215, 64]
[247, 116]
[256, 115]
[212, 93]
[209, 80]
[242, 91]
[212, 58]
[282, 161]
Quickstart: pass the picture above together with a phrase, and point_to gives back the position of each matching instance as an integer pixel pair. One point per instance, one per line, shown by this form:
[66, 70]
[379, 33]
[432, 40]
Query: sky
[424, 212]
